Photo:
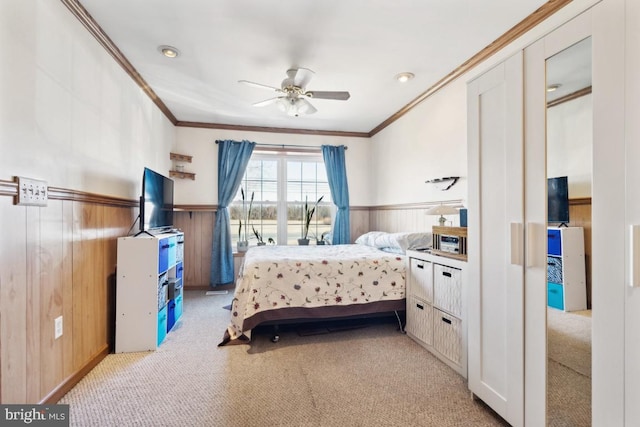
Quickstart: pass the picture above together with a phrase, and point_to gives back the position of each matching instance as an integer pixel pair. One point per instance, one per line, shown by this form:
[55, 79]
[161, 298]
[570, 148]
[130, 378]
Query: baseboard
[66, 385]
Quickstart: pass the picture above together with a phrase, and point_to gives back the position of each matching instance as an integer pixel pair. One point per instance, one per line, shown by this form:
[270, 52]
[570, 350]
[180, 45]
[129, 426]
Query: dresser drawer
[419, 320]
[447, 289]
[447, 338]
[421, 285]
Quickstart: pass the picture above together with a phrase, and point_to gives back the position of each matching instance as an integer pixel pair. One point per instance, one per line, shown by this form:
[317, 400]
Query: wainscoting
[56, 261]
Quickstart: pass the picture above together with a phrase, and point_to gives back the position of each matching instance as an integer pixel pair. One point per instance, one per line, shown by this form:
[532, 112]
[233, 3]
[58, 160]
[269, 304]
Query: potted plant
[321, 240]
[243, 243]
[307, 215]
[258, 236]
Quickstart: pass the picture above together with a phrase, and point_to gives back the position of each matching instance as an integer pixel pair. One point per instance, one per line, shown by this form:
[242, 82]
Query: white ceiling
[353, 45]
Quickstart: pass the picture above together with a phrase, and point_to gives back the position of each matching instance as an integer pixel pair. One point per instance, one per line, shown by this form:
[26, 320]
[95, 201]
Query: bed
[284, 283]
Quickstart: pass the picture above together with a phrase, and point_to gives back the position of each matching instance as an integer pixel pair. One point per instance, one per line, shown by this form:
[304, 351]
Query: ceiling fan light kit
[292, 98]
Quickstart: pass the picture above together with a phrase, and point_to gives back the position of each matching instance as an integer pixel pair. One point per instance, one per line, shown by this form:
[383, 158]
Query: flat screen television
[558, 200]
[156, 202]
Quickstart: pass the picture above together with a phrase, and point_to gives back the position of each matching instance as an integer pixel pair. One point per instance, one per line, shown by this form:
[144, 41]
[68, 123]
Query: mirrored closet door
[569, 138]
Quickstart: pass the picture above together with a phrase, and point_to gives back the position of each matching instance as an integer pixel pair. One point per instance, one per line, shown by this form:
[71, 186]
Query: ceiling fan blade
[267, 102]
[300, 77]
[260, 85]
[319, 94]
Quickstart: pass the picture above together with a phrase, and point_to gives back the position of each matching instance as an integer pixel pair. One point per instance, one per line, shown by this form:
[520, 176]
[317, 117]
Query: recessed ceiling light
[553, 87]
[169, 51]
[404, 77]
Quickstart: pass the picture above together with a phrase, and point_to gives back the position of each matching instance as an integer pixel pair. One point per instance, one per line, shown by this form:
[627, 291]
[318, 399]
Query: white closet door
[496, 227]
[535, 59]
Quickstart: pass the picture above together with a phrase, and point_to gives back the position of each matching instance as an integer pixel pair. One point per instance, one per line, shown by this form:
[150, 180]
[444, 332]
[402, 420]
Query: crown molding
[272, 129]
[569, 97]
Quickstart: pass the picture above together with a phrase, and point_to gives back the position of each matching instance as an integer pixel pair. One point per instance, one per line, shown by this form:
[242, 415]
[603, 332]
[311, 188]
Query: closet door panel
[495, 203]
[632, 137]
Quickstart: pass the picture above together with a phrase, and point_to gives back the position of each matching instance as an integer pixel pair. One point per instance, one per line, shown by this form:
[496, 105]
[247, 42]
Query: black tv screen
[156, 202]
[558, 200]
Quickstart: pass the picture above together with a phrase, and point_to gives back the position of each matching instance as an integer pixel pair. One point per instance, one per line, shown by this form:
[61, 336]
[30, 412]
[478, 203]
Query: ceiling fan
[293, 93]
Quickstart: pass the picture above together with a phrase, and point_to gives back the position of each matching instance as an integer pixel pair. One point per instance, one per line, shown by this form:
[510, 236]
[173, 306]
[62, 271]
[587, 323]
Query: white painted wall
[68, 113]
[428, 142]
[200, 143]
[570, 144]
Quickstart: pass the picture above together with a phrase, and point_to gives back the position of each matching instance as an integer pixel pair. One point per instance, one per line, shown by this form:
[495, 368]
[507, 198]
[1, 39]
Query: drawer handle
[181, 243]
[420, 306]
[165, 246]
[446, 273]
[420, 266]
[445, 320]
[553, 291]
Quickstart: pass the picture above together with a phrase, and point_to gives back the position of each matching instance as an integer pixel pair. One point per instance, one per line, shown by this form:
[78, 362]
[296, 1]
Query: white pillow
[369, 239]
[404, 240]
[395, 242]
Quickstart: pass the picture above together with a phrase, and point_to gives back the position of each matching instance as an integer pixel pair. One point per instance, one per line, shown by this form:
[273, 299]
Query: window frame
[283, 158]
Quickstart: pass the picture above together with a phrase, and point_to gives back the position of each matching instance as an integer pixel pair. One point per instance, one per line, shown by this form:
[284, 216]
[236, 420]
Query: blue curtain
[233, 157]
[337, 175]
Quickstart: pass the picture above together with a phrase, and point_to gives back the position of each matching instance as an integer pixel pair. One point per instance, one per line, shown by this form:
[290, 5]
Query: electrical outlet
[31, 192]
[58, 327]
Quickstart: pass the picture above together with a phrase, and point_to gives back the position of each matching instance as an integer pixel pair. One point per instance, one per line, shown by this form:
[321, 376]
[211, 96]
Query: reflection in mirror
[569, 153]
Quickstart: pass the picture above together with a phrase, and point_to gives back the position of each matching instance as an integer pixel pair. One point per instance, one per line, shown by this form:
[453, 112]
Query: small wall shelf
[180, 157]
[178, 168]
[444, 183]
[182, 175]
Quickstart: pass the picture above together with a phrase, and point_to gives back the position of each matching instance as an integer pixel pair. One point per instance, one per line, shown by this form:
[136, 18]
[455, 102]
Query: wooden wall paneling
[33, 285]
[206, 226]
[580, 216]
[88, 265]
[13, 303]
[69, 325]
[117, 223]
[198, 236]
[98, 282]
[51, 258]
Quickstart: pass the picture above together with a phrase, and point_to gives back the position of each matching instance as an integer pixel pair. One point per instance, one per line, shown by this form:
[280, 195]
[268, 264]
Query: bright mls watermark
[34, 415]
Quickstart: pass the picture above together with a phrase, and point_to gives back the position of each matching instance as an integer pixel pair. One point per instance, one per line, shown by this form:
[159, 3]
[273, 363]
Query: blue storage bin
[554, 242]
[171, 314]
[178, 308]
[179, 270]
[555, 296]
[162, 324]
[163, 254]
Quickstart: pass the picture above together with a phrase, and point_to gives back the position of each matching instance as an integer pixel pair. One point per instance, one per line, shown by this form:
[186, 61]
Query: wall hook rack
[444, 183]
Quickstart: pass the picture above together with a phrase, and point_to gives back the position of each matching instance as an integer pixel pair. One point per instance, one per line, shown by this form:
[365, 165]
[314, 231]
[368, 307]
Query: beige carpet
[569, 339]
[372, 376]
[569, 368]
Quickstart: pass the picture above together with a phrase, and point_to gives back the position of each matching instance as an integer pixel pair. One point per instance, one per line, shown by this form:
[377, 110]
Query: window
[281, 182]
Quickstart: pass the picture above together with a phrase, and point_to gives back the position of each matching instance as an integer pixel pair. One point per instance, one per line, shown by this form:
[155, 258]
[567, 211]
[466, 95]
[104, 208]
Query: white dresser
[436, 306]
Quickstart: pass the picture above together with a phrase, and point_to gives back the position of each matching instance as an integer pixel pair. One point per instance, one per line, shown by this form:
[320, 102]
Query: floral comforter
[292, 282]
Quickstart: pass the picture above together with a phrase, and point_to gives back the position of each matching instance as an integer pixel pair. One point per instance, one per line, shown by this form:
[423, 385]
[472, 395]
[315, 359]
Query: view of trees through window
[281, 184]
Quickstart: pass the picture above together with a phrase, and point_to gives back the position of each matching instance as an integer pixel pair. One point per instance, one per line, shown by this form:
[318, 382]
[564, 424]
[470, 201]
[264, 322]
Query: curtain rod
[310, 147]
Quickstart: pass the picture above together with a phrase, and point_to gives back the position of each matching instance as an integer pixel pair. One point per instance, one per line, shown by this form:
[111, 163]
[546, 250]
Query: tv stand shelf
[149, 282]
[566, 275]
